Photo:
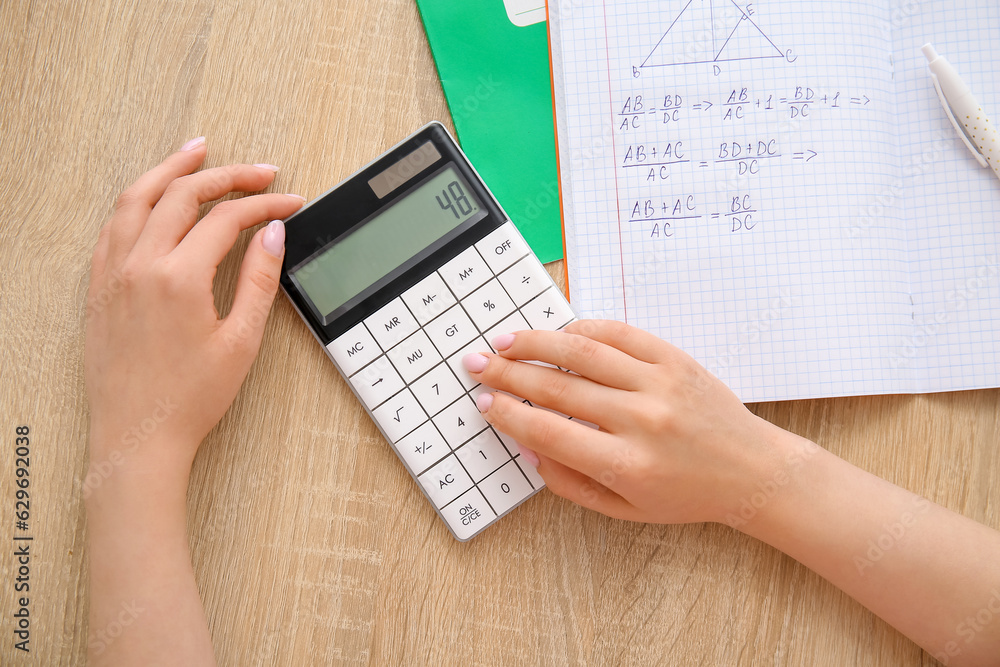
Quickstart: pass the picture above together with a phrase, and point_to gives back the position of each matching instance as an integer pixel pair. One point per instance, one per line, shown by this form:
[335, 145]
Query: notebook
[493, 60]
[774, 188]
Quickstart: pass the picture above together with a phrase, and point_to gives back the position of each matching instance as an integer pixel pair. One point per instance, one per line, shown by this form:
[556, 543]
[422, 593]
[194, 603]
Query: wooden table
[311, 543]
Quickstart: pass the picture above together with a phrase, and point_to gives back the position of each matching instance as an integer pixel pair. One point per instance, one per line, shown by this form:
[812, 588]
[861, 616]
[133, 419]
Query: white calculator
[400, 271]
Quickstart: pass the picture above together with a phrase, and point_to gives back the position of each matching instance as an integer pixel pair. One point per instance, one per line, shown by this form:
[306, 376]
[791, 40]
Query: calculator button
[455, 361]
[376, 382]
[399, 415]
[460, 421]
[391, 324]
[525, 280]
[469, 514]
[508, 441]
[445, 481]
[515, 322]
[465, 273]
[530, 472]
[451, 331]
[502, 247]
[422, 448]
[354, 349]
[414, 356]
[505, 488]
[548, 311]
[437, 389]
[429, 298]
[488, 305]
[482, 455]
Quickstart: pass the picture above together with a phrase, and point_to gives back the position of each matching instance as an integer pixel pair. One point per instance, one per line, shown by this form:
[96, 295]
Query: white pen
[964, 111]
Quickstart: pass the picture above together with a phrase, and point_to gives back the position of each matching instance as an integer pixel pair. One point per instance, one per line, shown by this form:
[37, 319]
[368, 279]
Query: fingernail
[264, 165]
[503, 341]
[193, 144]
[484, 401]
[528, 455]
[274, 238]
[475, 363]
[296, 196]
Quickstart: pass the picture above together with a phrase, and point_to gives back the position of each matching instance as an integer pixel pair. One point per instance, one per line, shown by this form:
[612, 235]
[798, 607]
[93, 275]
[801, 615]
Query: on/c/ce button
[469, 514]
[354, 349]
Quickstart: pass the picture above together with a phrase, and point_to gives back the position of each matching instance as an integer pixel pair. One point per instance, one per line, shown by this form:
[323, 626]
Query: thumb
[258, 283]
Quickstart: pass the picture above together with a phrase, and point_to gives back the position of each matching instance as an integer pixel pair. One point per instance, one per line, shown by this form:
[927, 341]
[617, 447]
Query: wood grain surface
[311, 544]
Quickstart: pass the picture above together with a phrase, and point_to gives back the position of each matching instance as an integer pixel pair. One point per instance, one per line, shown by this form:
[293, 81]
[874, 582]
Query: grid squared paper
[852, 246]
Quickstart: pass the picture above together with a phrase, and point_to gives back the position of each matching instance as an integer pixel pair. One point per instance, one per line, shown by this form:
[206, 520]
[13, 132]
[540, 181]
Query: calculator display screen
[385, 241]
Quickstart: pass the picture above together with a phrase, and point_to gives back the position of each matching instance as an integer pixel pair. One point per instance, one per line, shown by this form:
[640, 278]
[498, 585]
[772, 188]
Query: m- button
[428, 298]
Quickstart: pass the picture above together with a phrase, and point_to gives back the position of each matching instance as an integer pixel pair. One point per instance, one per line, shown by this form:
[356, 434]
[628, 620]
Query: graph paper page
[952, 205]
[724, 170]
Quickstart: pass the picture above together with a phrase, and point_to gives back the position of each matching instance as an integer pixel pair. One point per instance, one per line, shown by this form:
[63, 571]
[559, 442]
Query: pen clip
[962, 134]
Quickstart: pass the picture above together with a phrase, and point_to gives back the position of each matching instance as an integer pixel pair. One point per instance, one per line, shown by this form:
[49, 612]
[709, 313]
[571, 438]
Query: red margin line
[614, 155]
[555, 133]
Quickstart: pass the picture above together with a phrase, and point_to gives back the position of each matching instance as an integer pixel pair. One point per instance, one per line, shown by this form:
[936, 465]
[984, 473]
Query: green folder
[496, 80]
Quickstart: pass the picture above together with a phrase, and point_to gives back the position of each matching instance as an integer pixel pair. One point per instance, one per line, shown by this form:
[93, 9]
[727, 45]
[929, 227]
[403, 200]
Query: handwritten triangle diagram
[706, 31]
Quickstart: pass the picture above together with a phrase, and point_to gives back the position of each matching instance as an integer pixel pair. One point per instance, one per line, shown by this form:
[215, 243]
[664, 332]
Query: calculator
[399, 272]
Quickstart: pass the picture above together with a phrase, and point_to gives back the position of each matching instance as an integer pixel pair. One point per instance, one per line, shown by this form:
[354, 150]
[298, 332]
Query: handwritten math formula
[661, 142]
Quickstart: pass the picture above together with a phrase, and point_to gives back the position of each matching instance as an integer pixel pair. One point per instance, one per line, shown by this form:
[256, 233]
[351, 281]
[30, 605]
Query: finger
[548, 387]
[243, 328]
[176, 212]
[134, 204]
[634, 342]
[549, 435]
[214, 235]
[582, 490]
[581, 354]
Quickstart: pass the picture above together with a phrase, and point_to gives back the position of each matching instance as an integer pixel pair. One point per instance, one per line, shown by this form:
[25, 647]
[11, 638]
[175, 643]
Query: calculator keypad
[405, 363]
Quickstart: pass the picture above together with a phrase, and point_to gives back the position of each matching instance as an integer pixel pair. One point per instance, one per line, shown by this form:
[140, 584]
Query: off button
[502, 247]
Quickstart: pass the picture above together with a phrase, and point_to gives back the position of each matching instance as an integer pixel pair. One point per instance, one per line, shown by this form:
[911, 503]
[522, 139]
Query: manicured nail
[193, 144]
[503, 341]
[296, 196]
[264, 165]
[484, 401]
[274, 238]
[528, 455]
[475, 363]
